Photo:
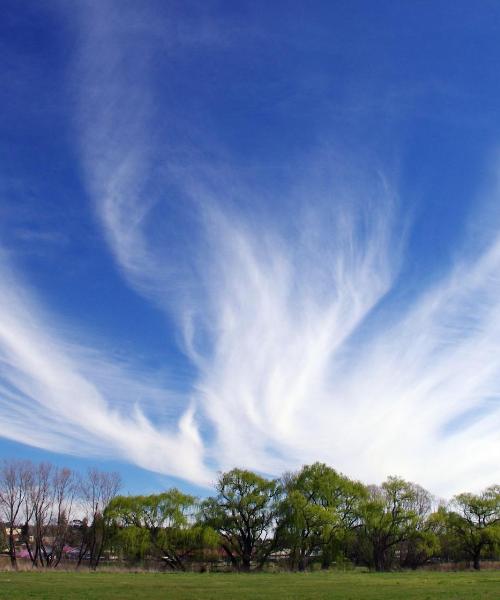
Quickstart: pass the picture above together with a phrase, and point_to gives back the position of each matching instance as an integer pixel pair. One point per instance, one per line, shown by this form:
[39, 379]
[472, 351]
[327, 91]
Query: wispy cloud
[277, 313]
[301, 352]
[294, 367]
[63, 397]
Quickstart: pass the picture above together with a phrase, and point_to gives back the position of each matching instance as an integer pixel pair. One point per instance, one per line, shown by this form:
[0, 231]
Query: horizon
[252, 236]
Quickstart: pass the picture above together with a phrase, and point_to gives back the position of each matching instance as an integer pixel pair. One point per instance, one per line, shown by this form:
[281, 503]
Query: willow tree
[243, 514]
[475, 520]
[163, 526]
[320, 506]
[390, 516]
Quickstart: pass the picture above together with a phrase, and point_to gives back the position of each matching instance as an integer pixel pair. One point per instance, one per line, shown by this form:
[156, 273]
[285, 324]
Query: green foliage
[163, 525]
[135, 542]
[422, 545]
[394, 513]
[243, 513]
[313, 518]
[475, 521]
[318, 508]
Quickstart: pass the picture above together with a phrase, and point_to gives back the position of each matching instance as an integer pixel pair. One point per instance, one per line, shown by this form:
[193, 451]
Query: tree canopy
[243, 513]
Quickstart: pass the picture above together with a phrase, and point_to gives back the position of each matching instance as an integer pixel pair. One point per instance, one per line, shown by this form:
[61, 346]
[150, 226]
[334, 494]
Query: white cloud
[277, 313]
[292, 369]
[55, 396]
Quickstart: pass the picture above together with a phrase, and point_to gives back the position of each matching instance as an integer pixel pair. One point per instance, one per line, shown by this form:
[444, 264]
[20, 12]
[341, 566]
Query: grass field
[342, 586]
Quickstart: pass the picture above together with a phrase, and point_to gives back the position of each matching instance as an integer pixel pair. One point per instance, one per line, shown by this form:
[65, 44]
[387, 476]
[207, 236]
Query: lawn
[342, 586]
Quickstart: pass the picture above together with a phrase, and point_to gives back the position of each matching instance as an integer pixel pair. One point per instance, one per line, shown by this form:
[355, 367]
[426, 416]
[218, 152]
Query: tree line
[314, 516]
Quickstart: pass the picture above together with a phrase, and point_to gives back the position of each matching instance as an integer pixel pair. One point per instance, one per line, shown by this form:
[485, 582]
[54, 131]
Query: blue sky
[251, 234]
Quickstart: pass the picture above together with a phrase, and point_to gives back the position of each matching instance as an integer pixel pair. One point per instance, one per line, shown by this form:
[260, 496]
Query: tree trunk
[302, 562]
[231, 556]
[476, 561]
[245, 563]
[326, 563]
[12, 550]
[379, 559]
[246, 558]
[83, 550]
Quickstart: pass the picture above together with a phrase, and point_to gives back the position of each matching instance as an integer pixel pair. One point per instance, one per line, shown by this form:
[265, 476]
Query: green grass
[342, 586]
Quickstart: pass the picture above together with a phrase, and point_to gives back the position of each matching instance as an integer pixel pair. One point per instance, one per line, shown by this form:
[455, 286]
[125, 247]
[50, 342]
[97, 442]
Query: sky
[252, 234]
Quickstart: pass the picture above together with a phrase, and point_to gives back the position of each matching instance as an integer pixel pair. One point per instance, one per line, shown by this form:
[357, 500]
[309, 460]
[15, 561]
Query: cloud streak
[277, 315]
[54, 395]
[289, 316]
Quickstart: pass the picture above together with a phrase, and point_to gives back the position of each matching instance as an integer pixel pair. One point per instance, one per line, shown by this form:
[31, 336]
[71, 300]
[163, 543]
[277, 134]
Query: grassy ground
[336, 586]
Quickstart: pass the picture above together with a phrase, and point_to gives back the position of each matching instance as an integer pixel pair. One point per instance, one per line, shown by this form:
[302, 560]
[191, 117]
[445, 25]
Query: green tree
[243, 514]
[449, 543]
[423, 543]
[319, 507]
[392, 515]
[162, 525]
[475, 520]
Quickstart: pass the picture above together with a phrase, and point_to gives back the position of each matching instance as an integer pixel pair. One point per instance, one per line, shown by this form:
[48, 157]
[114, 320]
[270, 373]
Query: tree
[243, 513]
[162, 524]
[96, 492]
[319, 507]
[424, 543]
[391, 515]
[13, 489]
[47, 508]
[37, 512]
[63, 491]
[475, 520]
